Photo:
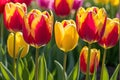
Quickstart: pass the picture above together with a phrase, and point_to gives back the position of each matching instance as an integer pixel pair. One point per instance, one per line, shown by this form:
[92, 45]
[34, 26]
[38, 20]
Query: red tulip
[63, 7]
[91, 23]
[94, 59]
[37, 29]
[111, 34]
[13, 16]
[2, 4]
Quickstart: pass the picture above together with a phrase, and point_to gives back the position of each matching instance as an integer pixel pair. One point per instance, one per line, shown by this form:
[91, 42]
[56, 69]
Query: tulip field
[59, 39]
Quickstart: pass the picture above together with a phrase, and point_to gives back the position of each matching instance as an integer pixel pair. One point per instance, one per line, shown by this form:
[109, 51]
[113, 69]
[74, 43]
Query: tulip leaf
[25, 74]
[42, 72]
[117, 70]
[6, 73]
[105, 73]
[60, 74]
[49, 76]
[74, 75]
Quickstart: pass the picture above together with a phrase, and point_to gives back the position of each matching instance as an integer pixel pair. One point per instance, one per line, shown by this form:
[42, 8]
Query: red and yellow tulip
[94, 59]
[19, 43]
[111, 34]
[37, 29]
[27, 2]
[2, 5]
[66, 35]
[91, 23]
[63, 7]
[13, 16]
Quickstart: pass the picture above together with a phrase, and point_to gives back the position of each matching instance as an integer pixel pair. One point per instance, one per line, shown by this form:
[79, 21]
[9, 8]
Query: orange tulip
[37, 29]
[94, 59]
[91, 23]
[13, 16]
[111, 34]
[63, 7]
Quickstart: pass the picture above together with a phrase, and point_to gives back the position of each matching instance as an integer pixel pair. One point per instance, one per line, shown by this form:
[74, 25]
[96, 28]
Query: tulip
[13, 16]
[19, 43]
[91, 23]
[63, 7]
[37, 29]
[27, 2]
[77, 4]
[94, 59]
[2, 4]
[66, 36]
[102, 1]
[109, 38]
[45, 4]
[111, 34]
[115, 2]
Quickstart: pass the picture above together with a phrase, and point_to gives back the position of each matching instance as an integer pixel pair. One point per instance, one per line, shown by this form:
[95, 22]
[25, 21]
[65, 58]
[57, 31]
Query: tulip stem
[36, 64]
[103, 61]
[88, 63]
[65, 60]
[2, 29]
[14, 61]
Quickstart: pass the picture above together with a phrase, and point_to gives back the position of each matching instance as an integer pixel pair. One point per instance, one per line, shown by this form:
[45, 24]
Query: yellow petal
[70, 39]
[59, 34]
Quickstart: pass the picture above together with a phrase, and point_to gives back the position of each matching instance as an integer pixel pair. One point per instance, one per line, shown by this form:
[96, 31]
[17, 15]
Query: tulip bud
[111, 34]
[91, 23]
[66, 36]
[63, 7]
[13, 16]
[19, 43]
[37, 29]
[94, 59]
[2, 4]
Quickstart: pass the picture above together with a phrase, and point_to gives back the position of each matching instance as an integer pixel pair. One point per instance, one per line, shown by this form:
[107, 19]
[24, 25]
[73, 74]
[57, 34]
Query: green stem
[36, 64]
[88, 62]
[103, 62]
[2, 30]
[14, 61]
[65, 60]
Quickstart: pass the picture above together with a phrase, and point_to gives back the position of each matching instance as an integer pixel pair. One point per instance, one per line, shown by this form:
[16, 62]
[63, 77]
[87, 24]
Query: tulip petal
[70, 39]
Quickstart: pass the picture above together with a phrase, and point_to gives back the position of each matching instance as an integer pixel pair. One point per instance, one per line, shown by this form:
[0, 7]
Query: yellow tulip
[115, 2]
[66, 35]
[19, 43]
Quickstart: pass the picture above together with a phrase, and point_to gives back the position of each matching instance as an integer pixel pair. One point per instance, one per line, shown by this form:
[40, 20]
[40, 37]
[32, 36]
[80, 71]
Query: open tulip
[91, 23]
[37, 29]
[66, 35]
[13, 16]
[94, 59]
[19, 43]
[63, 7]
[111, 34]
[2, 4]
[27, 2]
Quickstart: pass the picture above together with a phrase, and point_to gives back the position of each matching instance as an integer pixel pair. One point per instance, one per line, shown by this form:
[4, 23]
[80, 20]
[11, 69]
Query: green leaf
[60, 74]
[25, 74]
[6, 73]
[49, 76]
[105, 73]
[117, 70]
[42, 72]
[74, 75]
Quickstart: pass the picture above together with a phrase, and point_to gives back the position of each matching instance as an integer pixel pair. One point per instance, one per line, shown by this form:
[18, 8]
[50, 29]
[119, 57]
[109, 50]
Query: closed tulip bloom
[37, 29]
[19, 43]
[111, 34]
[77, 4]
[66, 36]
[45, 4]
[27, 2]
[13, 16]
[63, 7]
[2, 5]
[94, 59]
[91, 23]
